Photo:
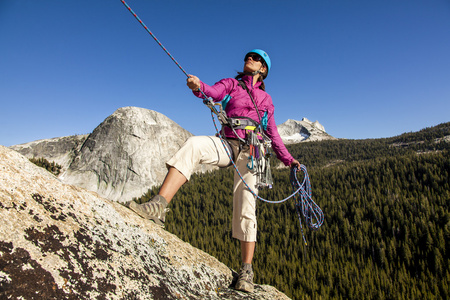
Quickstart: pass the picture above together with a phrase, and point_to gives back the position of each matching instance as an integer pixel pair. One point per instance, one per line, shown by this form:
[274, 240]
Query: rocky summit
[58, 241]
[121, 159]
[293, 131]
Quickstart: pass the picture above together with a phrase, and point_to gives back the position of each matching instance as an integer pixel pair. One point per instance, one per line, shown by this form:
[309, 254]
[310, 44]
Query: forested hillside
[386, 233]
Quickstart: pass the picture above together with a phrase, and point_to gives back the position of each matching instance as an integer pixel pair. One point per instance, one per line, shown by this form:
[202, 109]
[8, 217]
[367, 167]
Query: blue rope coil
[304, 204]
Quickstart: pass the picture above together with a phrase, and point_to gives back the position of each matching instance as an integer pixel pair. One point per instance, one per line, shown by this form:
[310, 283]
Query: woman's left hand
[295, 163]
[193, 82]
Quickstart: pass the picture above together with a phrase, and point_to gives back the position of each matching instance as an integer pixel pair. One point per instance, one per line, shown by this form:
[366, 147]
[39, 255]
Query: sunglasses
[254, 56]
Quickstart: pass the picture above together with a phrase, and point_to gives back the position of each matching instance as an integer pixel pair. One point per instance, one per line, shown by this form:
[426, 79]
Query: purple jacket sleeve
[277, 144]
[217, 91]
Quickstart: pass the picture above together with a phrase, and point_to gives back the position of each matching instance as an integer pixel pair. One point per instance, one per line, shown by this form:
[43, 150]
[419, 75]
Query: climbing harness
[304, 204]
[260, 145]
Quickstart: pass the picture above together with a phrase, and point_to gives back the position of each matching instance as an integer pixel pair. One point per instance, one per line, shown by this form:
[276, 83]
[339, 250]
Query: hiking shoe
[154, 210]
[245, 279]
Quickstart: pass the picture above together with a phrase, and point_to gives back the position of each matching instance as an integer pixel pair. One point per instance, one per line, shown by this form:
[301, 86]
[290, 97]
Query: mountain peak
[122, 158]
[293, 131]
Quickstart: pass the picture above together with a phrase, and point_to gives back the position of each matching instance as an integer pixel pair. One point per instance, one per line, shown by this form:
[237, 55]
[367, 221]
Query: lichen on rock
[58, 241]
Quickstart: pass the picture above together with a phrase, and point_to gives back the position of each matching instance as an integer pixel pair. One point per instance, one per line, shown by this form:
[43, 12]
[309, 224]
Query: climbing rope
[154, 37]
[304, 204]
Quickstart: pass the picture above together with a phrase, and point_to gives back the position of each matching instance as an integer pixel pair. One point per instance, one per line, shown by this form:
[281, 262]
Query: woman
[247, 101]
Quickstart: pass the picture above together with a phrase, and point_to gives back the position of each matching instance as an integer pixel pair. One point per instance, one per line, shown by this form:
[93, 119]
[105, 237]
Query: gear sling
[258, 142]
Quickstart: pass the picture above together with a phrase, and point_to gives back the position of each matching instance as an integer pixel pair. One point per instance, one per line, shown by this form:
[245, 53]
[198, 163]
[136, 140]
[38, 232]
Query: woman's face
[252, 64]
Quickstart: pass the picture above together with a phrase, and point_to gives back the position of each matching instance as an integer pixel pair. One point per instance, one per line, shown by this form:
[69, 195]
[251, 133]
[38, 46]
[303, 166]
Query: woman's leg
[245, 276]
[172, 183]
[244, 202]
[196, 150]
[247, 251]
[244, 220]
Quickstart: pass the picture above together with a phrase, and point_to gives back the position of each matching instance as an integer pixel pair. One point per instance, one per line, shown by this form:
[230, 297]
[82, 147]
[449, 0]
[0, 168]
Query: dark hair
[260, 78]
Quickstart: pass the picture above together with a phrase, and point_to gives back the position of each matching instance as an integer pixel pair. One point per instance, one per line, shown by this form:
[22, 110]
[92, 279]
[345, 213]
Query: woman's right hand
[295, 164]
[193, 82]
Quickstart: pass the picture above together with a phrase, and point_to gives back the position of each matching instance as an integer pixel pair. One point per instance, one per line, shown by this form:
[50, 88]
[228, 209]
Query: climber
[251, 102]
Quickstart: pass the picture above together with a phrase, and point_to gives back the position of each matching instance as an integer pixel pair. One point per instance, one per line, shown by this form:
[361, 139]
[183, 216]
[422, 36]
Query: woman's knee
[195, 143]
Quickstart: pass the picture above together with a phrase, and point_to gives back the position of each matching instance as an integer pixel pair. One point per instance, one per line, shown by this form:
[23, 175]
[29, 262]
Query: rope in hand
[304, 204]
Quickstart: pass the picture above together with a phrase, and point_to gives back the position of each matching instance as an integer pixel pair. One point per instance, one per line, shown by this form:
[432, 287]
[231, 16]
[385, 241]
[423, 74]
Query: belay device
[304, 204]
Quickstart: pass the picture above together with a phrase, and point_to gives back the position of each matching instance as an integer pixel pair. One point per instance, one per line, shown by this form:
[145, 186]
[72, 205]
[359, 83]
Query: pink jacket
[241, 105]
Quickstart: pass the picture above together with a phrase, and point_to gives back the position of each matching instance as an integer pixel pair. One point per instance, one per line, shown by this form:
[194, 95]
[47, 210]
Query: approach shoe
[245, 279]
[154, 210]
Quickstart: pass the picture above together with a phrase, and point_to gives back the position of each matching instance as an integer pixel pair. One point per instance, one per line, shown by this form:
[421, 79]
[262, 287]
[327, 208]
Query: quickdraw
[304, 205]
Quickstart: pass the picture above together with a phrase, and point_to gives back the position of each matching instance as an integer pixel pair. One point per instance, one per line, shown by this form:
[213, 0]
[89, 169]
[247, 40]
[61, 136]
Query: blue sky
[363, 69]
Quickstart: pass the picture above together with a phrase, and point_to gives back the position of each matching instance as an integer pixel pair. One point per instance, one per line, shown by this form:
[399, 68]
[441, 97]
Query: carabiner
[251, 168]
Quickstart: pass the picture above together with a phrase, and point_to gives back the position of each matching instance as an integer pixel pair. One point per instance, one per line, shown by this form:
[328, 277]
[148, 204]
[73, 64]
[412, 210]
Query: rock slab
[59, 241]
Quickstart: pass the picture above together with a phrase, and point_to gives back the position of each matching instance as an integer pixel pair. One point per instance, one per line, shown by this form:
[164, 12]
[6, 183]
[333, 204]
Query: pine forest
[386, 233]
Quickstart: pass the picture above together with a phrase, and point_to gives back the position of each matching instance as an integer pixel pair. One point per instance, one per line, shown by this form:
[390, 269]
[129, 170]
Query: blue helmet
[264, 55]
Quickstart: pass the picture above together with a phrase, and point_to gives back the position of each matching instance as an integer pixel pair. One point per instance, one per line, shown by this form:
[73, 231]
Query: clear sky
[363, 69]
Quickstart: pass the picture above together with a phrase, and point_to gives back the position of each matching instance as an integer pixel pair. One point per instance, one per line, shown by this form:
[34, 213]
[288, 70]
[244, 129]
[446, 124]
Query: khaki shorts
[209, 150]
